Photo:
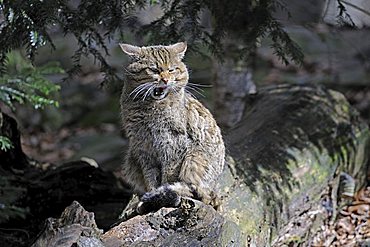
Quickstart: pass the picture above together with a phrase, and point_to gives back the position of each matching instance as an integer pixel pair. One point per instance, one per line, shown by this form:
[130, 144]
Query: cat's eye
[171, 70]
[154, 69]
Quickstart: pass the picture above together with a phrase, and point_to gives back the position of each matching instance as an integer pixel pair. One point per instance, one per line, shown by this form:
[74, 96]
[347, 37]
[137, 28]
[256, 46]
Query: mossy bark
[290, 146]
[282, 179]
[282, 176]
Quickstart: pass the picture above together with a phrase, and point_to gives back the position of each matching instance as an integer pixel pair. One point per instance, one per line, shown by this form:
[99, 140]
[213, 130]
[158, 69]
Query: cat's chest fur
[158, 130]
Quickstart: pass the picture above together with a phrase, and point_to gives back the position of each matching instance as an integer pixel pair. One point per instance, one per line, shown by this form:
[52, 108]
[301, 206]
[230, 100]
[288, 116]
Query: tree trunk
[232, 86]
[14, 158]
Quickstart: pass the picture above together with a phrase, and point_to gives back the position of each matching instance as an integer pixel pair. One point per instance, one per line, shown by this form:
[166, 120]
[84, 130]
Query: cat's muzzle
[160, 92]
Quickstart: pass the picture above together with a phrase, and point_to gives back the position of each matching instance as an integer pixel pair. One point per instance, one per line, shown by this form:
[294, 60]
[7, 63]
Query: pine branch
[29, 24]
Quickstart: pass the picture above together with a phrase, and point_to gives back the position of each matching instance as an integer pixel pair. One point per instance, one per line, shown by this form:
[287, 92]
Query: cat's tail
[169, 195]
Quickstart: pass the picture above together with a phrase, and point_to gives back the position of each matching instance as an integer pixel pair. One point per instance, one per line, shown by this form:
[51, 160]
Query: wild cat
[175, 146]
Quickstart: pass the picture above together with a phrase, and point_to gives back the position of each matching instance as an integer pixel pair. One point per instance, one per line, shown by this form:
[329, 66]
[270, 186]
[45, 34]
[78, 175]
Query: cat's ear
[179, 48]
[132, 51]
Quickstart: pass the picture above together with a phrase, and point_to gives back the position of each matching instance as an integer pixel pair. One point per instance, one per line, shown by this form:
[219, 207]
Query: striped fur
[176, 147]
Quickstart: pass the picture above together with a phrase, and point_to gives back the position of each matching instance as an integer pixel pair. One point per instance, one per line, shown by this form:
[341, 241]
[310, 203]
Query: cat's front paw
[158, 198]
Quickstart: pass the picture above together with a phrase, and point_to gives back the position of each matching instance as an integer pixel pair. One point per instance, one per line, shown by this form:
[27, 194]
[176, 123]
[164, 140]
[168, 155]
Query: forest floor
[352, 226]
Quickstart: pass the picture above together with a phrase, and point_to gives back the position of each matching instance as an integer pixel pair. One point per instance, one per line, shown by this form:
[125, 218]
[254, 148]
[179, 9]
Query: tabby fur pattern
[176, 148]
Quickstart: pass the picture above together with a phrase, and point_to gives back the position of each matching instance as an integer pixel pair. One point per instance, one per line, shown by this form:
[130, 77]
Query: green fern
[24, 83]
[5, 143]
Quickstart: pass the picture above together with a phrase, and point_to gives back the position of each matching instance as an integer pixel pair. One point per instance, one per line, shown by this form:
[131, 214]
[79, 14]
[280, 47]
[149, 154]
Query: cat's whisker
[199, 85]
[192, 95]
[196, 91]
[187, 91]
[139, 87]
[147, 92]
[195, 88]
[175, 89]
[137, 92]
[140, 91]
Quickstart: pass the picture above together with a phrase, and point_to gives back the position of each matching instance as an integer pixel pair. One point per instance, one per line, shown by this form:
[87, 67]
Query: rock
[75, 226]
[98, 190]
[193, 224]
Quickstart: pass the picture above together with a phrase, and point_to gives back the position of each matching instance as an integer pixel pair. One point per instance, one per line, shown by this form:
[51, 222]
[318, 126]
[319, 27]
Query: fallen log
[293, 156]
[289, 151]
[285, 160]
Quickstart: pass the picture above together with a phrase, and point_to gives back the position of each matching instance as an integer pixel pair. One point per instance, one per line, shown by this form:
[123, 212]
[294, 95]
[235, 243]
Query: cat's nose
[165, 80]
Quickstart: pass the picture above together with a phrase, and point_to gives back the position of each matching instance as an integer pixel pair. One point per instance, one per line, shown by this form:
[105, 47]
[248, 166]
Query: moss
[318, 137]
[294, 240]
[231, 235]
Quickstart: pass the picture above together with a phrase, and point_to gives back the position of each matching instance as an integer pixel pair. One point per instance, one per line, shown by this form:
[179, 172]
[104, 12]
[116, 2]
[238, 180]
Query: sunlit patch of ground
[352, 227]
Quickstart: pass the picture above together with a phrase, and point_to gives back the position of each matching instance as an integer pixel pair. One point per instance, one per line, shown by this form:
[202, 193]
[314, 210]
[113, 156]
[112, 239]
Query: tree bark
[75, 226]
[232, 86]
[289, 151]
[15, 158]
[288, 157]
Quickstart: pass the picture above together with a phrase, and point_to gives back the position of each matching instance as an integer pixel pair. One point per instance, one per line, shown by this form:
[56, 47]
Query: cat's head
[155, 71]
